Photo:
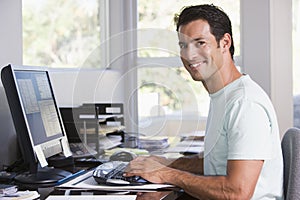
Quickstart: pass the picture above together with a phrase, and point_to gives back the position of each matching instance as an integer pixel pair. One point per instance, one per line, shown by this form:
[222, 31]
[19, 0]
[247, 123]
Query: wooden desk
[157, 195]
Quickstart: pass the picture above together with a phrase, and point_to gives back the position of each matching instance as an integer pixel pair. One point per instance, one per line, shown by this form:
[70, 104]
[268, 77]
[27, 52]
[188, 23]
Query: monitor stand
[45, 177]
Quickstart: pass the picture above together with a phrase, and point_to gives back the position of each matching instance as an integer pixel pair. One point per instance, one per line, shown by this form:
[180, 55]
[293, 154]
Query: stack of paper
[21, 195]
[187, 146]
[7, 189]
[136, 151]
[96, 197]
[192, 142]
[153, 143]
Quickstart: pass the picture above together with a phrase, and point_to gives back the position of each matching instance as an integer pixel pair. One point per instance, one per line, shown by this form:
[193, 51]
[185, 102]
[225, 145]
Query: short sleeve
[249, 133]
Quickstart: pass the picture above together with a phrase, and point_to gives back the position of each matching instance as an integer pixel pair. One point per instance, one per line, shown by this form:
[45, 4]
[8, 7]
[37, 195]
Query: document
[22, 195]
[187, 146]
[87, 182]
[90, 197]
[7, 189]
[192, 142]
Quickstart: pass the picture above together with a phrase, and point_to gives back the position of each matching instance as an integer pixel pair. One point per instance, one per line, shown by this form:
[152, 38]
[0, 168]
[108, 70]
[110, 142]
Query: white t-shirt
[242, 125]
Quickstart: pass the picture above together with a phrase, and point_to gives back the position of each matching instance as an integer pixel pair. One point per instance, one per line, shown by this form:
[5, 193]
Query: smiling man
[242, 157]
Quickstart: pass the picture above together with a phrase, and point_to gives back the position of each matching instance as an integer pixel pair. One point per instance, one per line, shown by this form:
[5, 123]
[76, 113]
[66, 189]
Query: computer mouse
[124, 156]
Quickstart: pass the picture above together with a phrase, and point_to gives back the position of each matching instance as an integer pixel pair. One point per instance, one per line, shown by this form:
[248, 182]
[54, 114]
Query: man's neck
[226, 75]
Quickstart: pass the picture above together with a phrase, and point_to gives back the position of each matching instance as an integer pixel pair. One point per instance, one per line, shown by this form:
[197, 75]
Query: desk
[85, 184]
[157, 195]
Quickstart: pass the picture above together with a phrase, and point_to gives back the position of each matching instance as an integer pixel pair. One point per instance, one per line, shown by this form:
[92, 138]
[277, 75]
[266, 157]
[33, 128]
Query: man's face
[199, 50]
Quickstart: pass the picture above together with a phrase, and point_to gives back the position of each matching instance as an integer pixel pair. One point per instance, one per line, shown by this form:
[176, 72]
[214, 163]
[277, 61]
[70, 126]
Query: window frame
[174, 61]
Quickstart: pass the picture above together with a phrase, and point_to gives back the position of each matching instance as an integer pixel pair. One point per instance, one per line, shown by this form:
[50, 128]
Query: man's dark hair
[217, 19]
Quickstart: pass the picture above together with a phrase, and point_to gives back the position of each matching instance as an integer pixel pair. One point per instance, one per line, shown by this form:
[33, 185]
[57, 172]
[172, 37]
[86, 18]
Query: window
[68, 34]
[60, 33]
[165, 89]
[158, 16]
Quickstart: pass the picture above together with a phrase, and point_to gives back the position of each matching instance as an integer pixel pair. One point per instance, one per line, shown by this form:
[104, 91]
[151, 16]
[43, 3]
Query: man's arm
[239, 183]
[192, 164]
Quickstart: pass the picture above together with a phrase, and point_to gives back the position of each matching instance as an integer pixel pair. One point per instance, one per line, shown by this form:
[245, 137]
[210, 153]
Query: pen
[71, 176]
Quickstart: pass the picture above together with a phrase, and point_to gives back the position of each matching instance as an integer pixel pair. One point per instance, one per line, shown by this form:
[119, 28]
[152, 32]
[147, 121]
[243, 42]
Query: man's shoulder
[246, 90]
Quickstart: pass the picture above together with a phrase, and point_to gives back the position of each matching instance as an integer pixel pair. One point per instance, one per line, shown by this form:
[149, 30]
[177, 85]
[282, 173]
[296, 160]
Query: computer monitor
[37, 122]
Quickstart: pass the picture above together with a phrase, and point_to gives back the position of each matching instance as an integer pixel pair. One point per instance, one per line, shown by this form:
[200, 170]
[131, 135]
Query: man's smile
[195, 65]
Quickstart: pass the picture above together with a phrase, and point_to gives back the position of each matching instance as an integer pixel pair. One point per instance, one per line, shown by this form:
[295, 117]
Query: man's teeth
[195, 65]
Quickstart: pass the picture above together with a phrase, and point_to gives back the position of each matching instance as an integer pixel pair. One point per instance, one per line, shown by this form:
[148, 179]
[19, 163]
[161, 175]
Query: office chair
[291, 157]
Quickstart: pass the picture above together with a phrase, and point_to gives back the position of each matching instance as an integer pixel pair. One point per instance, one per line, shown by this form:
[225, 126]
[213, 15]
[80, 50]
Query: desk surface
[167, 194]
[84, 185]
[157, 195]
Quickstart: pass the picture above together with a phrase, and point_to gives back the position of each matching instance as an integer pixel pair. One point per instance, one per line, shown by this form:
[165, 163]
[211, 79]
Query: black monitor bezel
[25, 140]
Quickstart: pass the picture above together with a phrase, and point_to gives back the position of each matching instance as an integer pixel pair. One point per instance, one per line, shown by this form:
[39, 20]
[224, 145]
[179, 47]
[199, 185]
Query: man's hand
[151, 168]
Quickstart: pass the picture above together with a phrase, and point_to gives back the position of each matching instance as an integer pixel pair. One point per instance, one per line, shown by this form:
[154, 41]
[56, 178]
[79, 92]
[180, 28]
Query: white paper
[182, 149]
[40, 156]
[95, 197]
[188, 146]
[113, 109]
[193, 133]
[22, 195]
[86, 116]
[65, 146]
[190, 143]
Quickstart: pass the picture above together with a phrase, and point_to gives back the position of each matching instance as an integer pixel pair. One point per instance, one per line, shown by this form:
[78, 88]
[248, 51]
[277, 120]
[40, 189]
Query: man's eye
[200, 43]
[182, 45]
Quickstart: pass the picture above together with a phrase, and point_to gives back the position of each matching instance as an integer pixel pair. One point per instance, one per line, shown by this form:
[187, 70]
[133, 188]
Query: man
[242, 157]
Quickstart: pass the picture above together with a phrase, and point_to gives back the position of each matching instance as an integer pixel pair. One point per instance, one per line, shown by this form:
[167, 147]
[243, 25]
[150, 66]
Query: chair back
[291, 156]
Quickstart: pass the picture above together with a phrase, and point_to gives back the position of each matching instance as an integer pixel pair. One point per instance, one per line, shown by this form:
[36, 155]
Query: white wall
[281, 61]
[10, 52]
[267, 52]
[10, 32]
[74, 87]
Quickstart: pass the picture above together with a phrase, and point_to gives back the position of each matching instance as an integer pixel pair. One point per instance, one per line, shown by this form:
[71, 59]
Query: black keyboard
[111, 173]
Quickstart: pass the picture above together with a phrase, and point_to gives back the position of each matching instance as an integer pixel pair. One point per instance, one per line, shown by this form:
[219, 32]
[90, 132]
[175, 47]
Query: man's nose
[191, 52]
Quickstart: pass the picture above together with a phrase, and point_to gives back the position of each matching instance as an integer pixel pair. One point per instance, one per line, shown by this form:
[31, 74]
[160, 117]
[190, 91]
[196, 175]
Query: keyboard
[111, 173]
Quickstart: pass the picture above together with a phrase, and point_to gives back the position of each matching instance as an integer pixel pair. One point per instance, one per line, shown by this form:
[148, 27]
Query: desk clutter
[9, 192]
[6, 189]
[104, 123]
[87, 182]
[97, 125]
[46, 134]
[190, 143]
[101, 149]
[89, 196]
[153, 143]
[21, 195]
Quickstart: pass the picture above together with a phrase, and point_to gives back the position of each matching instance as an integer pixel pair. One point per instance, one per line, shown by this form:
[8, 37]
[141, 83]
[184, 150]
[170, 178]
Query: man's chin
[195, 78]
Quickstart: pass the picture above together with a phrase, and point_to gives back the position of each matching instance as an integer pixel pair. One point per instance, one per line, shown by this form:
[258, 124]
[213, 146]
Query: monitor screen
[35, 114]
[39, 106]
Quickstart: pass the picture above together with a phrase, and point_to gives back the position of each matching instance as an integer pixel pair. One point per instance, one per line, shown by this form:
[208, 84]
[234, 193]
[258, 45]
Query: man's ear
[225, 42]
